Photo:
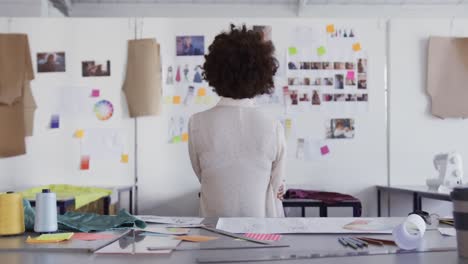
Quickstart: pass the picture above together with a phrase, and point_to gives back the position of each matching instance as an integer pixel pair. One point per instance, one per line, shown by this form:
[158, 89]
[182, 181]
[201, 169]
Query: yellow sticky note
[167, 99]
[198, 100]
[50, 238]
[196, 238]
[292, 50]
[79, 133]
[330, 28]
[208, 99]
[201, 92]
[321, 50]
[176, 139]
[357, 46]
[124, 158]
[176, 99]
[184, 137]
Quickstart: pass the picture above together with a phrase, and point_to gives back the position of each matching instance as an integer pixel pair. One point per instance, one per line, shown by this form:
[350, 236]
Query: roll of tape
[410, 233]
[11, 214]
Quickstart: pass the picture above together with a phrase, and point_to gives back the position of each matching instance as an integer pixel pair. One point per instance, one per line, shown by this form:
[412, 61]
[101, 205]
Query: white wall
[167, 184]
[53, 156]
[267, 10]
[28, 8]
[416, 135]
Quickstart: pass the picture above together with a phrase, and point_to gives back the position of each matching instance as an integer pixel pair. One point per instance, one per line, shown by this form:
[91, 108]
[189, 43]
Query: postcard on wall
[51, 62]
[190, 45]
[265, 31]
[95, 68]
[340, 128]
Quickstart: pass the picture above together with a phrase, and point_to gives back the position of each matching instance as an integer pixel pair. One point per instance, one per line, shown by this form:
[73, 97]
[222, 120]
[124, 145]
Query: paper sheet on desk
[288, 225]
[185, 221]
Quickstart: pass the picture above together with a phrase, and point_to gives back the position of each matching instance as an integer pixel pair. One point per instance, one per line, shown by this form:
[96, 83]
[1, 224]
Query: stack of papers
[182, 221]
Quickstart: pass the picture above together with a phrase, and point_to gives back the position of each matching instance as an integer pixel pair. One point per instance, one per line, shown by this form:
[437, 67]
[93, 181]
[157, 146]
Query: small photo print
[316, 66]
[350, 82]
[362, 81]
[351, 97]
[306, 65]
[95, 68]
[51, 62]
[339, 65]
[294, 97]
[327, 97]
[328, 81]
[340, 128]
[339, 81]
[298, 81]
[306, 81]
[339, 97]
[265, 31]
[317, 81]
[293, 65]
[316, 98]
[304, 97]
[190, 45]
[327, 65]
[362, 65]
[349, 65]
[362, 97]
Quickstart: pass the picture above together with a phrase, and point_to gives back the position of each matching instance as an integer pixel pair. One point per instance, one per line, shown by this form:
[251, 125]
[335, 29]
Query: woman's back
[236, 146]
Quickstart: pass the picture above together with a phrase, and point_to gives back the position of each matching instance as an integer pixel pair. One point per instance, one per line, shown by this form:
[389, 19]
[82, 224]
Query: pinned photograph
[327, 65]
[362, 81]
[316, 66]
[339, 81]
[190, 45]
[351, 97]
[306, 81]
[317, 81]
[327, 97]
[349, 66]
[362, 65]
[294, 97]
[339, 97]
[340, 128]
[362, 98]
[350, 82]
[339, 65]
[328, 81]
[304, 97]
[315, 98]
[265, 31]
[95, 68]
[306, 65]
[51, 62]
[293, 65]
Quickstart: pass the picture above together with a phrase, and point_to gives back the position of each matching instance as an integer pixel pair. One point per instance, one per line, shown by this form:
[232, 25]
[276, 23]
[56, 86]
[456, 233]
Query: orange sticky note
[84, 163]
[176, 99]
[357, 46]
[79, 133]
[201, 92]
[196, 238]
[184, 137]
[330, 28]
[124, 158]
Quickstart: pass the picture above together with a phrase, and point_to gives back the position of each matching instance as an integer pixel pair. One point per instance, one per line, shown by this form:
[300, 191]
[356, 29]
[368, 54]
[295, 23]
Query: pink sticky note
[324, 150]
[95, 93]
[350, 75]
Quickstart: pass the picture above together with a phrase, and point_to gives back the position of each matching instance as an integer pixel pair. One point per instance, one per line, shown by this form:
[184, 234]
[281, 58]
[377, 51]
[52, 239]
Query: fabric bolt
[238, 154]
[142, 86]
[326, 197]
[447, 76]
[15, 66]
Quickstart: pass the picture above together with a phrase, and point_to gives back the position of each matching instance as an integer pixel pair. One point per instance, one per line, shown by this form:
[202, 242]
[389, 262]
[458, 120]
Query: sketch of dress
[197, 78]
[177, 77]
[186, 71]
[170, 78]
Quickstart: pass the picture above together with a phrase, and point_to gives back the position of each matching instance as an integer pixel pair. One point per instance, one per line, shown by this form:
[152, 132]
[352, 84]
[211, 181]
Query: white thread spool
[46, 212]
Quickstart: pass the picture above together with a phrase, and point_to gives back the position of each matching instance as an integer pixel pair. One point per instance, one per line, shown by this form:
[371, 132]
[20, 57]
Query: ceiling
[285, 2]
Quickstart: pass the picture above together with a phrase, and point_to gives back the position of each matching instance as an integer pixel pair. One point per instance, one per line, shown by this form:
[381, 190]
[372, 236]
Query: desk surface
[420, 189]
[299, 244]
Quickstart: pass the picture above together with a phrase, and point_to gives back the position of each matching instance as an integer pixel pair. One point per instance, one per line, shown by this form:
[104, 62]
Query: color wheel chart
[103, 110]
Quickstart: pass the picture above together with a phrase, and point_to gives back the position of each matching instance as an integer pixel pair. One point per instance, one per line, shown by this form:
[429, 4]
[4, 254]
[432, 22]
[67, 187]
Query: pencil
[342, 242]
[363, 243]
[351, 243]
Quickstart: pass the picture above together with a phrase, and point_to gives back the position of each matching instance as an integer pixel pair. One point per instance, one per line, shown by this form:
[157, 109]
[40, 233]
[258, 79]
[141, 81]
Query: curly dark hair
[240, 64]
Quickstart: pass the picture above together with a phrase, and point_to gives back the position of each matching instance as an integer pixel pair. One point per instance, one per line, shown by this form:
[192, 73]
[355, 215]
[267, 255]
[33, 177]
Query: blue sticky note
[55, 121]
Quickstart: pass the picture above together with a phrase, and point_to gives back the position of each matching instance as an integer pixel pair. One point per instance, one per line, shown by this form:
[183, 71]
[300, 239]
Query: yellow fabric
[49, 238]
[82, 195]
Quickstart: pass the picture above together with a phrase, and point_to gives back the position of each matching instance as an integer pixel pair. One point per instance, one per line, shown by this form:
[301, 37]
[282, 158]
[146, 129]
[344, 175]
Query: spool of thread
[11, 214]
[46, 212]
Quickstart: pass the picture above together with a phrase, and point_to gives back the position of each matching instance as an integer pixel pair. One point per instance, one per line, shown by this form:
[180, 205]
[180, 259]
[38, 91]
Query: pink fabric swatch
[269, 237]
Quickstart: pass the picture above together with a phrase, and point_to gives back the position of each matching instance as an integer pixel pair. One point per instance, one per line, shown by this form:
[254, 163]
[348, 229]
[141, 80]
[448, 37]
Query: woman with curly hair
[237, 151]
